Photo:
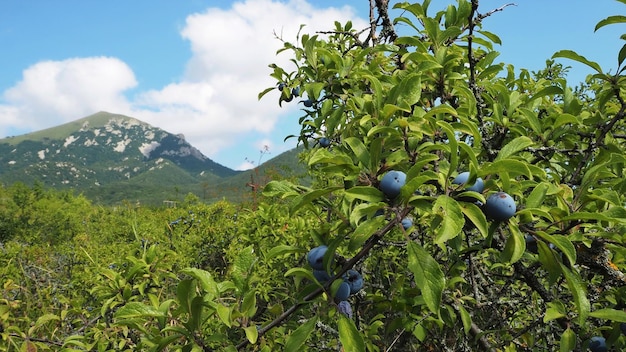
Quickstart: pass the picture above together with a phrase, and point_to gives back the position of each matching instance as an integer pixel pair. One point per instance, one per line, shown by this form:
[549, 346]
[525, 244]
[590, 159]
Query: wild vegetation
[444, 265]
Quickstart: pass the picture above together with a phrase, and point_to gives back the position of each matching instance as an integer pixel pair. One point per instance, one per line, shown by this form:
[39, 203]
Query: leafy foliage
[431, 103]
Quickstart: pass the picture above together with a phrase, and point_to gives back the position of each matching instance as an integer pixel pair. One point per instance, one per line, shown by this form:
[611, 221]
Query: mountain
[112, 158]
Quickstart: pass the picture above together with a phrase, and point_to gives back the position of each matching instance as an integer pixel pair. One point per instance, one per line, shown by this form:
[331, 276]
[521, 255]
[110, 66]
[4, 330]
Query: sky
[196, 66]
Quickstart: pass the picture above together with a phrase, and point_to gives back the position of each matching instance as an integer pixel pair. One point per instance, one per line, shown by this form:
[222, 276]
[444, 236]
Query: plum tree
[433, 100]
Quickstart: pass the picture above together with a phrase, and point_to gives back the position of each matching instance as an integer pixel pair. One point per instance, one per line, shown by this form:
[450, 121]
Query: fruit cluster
[499, 206]
[351, 281]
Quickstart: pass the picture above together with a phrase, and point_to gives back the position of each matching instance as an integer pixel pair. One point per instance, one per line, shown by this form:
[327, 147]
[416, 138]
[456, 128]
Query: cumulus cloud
[214, 104]
[231, 49]
[53, 92]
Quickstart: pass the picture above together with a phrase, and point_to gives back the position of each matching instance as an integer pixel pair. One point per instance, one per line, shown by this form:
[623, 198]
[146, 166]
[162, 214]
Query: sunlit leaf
[429, 277]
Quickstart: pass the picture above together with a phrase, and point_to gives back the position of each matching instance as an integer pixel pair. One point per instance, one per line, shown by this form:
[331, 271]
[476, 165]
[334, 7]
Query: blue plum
[531, 244]
[463, 177]
[392, 182]
[345, 308]
[500, 206]
[598, 344]
[321, 276]
[354, 280]
[324, 142]
[343, 292]
[315, 257]
[407, 223]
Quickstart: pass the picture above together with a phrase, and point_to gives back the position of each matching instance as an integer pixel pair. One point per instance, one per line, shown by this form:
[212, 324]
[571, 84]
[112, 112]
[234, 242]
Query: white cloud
[53, 92]
[231, 49]
[214, 103]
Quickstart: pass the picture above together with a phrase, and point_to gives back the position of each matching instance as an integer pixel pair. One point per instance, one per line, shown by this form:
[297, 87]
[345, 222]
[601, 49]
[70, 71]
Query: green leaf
[359, 150]
[429, 277]
[609, 314]
[562, 243]
[134, 310]
[300, 272]
[577, 288]
[366, 193]
[252, 333]
[610, 20]
[514, 146]
[550, 90]
[449, 221]
[299, 336]
[410, 90]
[364, 231]
[572, 55]
[279, 188]
[452, 143]
[554, 311]
[223, 312]
[549, 261]
[242, 267]
[307, 198]
[621, 56]
[477, 217]
[564, 119]
[205, 279]
[248, 305]
[466, 319]
[350, 338]
[536, 197]
[42, 320]
[515, 245]
[510, 166]
[568, 340]
[283, 249]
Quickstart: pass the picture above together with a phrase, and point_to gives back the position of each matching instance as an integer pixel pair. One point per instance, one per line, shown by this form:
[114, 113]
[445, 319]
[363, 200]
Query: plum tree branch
[369, 244]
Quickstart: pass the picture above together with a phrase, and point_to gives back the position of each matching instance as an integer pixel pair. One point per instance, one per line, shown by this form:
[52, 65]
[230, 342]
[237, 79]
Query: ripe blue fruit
[321, 276]
[500, 206]
[392, 182]
[462, 178]
[622, 327]
[345, 308]
[315, 257]
[324, 142]
[598, 344]
[354, 280]
[343, 292]
[407, 223]
[296, 91]
[531, 244]
[308, 103]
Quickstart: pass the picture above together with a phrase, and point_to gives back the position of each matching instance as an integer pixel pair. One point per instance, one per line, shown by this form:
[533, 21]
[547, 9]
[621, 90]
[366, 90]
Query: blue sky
[195, 66]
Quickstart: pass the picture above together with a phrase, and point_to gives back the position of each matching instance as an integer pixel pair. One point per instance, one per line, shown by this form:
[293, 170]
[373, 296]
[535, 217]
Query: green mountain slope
[113, 158]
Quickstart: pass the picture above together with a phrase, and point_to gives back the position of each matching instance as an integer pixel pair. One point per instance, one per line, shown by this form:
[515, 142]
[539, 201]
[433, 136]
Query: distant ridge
[112, 158]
